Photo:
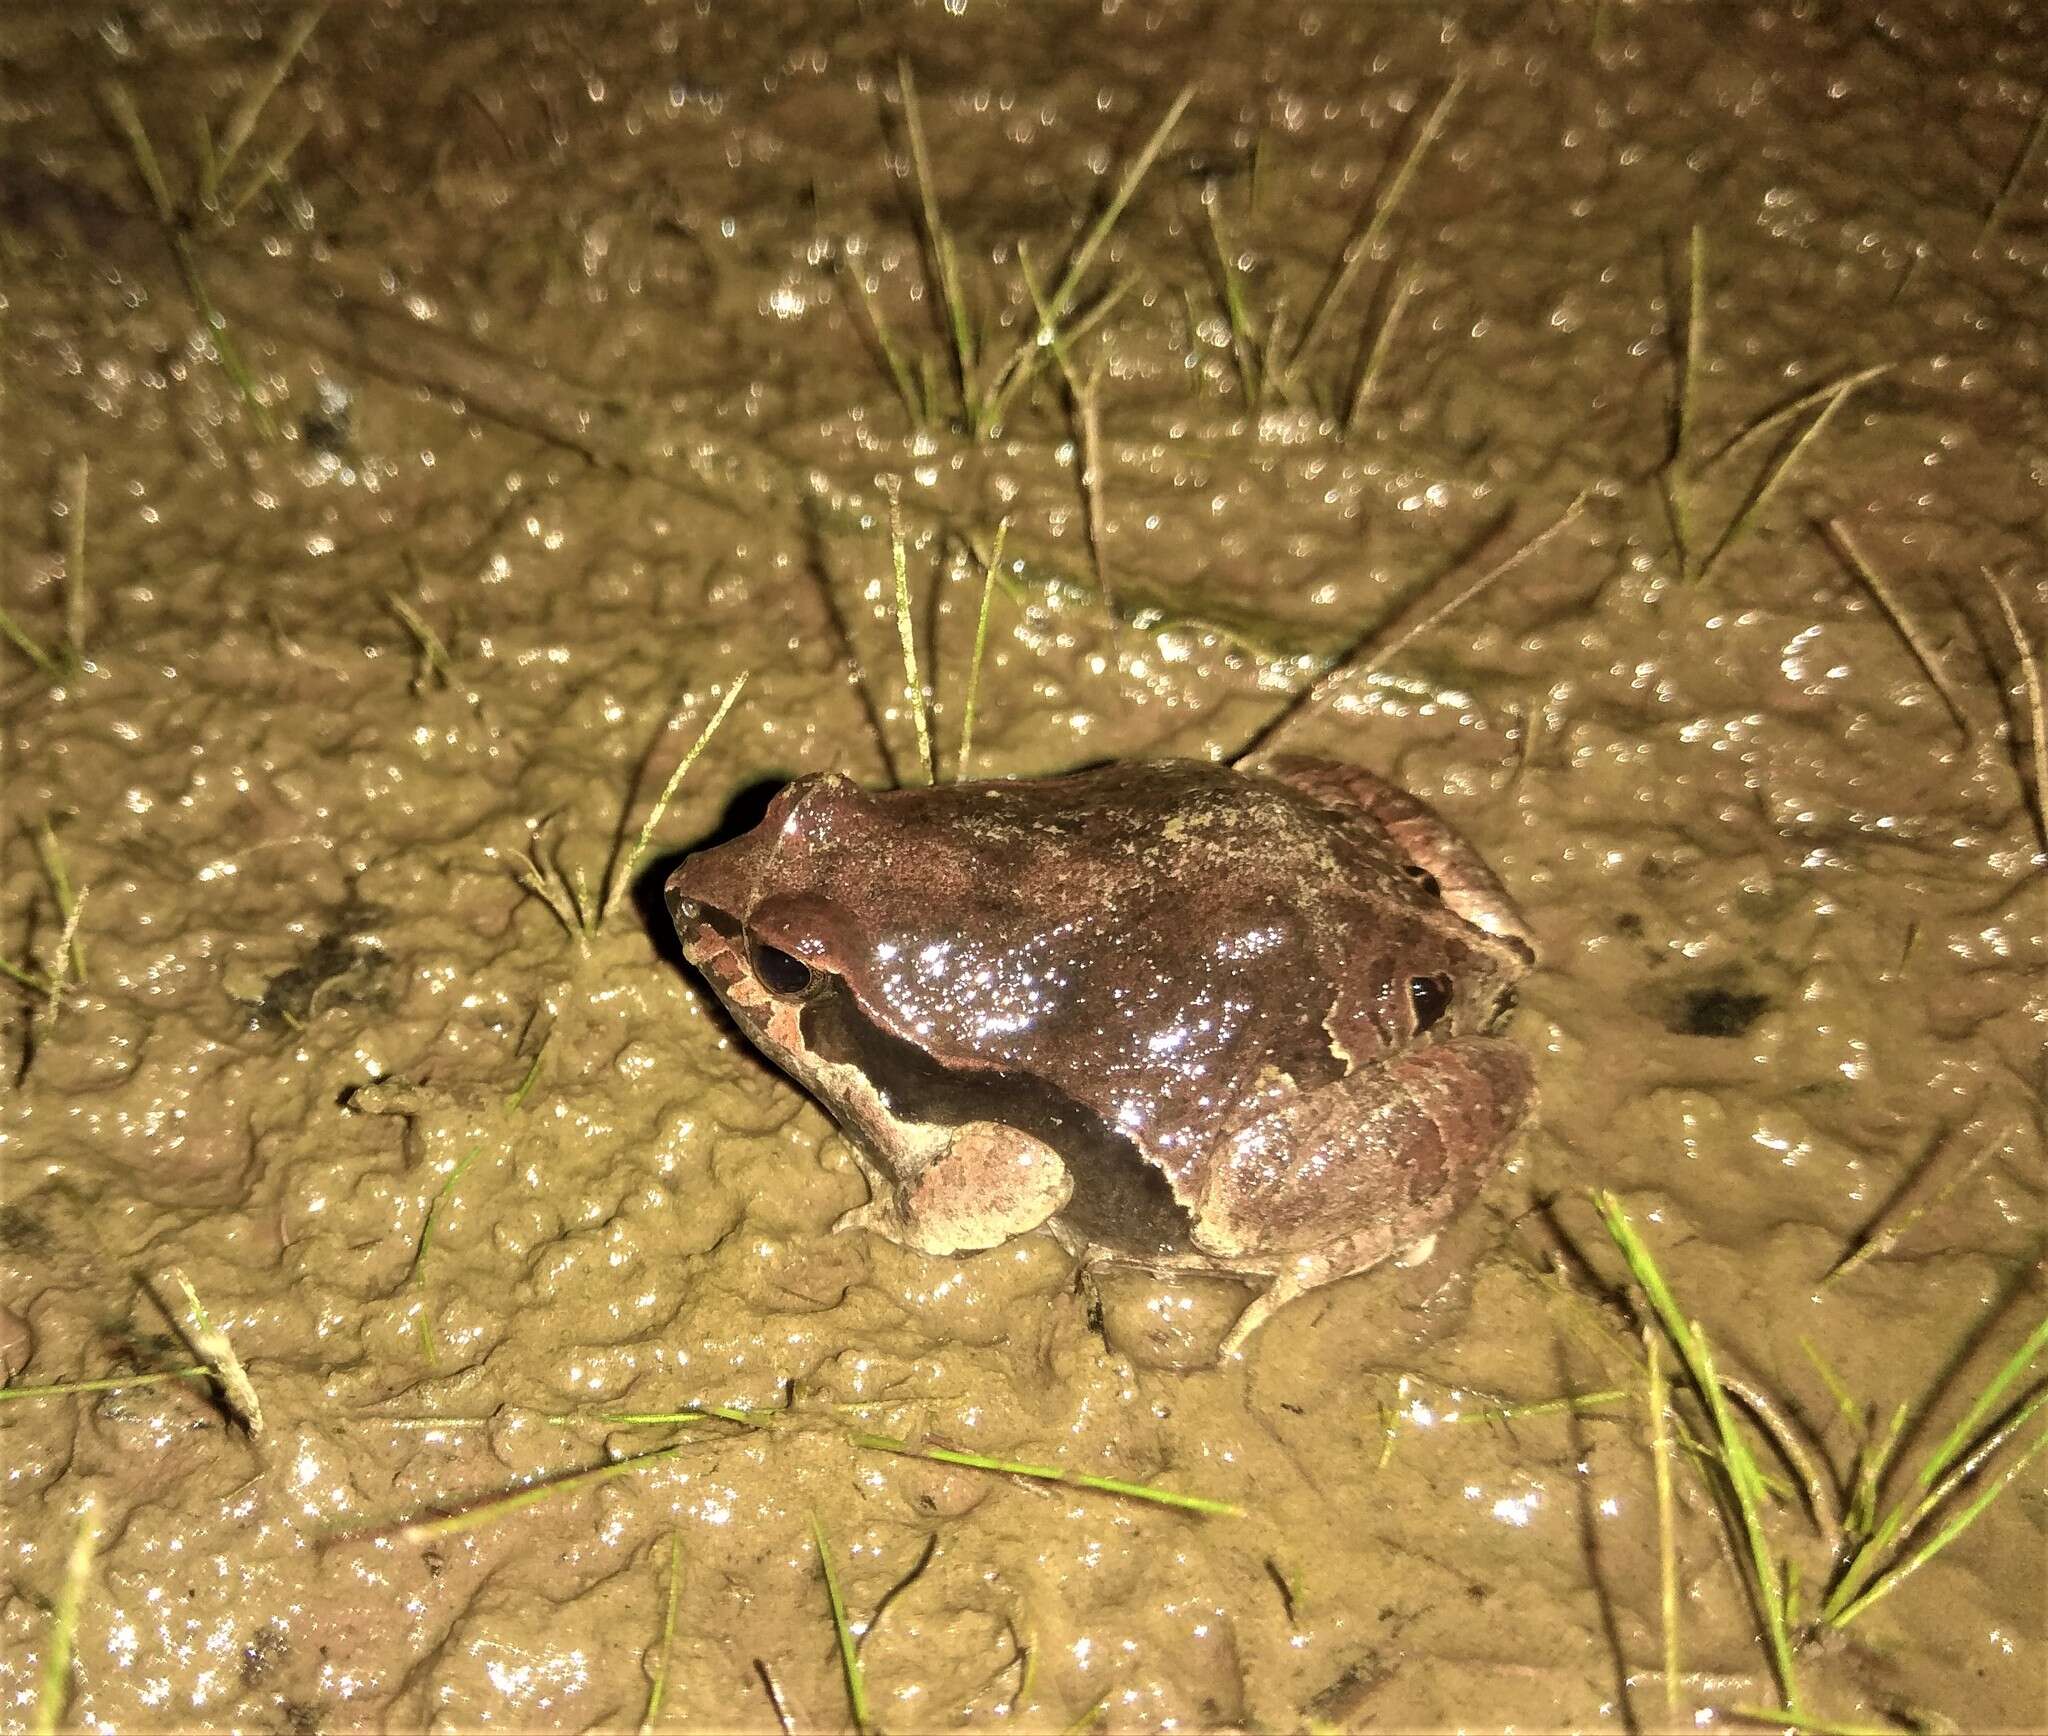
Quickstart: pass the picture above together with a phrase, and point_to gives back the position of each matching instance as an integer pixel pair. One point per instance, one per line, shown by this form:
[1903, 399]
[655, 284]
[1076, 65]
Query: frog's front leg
[1361, 1168]
[988, 1184]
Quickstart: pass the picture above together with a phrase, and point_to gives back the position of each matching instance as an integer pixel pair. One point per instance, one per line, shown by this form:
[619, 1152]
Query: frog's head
[757, 915]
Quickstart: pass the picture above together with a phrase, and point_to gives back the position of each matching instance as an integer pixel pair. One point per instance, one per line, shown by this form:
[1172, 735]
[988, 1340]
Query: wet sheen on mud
[553, 309]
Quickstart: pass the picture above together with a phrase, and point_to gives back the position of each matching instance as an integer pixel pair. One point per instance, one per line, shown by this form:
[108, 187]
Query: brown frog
[1183, 1016]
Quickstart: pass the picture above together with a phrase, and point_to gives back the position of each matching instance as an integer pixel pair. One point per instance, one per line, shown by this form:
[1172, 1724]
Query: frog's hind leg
[1362, 1168]
[1421, 834]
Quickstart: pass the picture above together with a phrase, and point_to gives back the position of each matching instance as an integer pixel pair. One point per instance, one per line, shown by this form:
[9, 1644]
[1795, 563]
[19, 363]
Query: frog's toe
[1416, 1252]
[866, 1217]
[1257, 1312]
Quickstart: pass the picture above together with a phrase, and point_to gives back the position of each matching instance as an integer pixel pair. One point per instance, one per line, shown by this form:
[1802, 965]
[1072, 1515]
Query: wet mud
[579, 417]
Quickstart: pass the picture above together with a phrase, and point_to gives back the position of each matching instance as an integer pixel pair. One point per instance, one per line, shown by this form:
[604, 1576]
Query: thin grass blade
[849, 1653]
[1359, 250]
[1050, 1474]
[622, 877]
[970, 707]
[56, 1684]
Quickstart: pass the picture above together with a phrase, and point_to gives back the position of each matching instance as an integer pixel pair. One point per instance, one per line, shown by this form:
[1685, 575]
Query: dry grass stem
[1770, 419]
[1695, 341]
[1908, 629]
[434, 659]
[247, 112]
[1659, 1399]
[1952, 1162]
[211, 1346]
[2037, 711]
[1774, 477]
[1414, 621]
[2012, 179]
[1478, 587]
[776, 1698]
[77, 477]
[1382, 343]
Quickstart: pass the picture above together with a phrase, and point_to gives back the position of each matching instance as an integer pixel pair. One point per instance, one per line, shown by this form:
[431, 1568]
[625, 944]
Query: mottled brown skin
[1181, 1015]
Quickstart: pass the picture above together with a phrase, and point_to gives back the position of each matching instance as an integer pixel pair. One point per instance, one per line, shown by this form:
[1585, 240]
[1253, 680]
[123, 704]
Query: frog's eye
[1431, 998]
[782, 973]
[1423, 878]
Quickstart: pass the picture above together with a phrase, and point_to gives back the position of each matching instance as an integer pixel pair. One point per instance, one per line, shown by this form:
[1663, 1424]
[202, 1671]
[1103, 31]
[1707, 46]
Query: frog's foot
[1415, 1253]
[1257, 1312]
[991, 1183]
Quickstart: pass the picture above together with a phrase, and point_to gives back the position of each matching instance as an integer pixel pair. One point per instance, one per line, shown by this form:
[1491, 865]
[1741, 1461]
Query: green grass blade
[1911, 1507]
[1356, 254]
[622, 877]
[915, 400]
[18, 637]
[501, 1507]
[657, 1689]
[1244, 346]
[906, 637]
[1785, 1718]
[1892, 1577]
[111, 1383]
[691, 1413]
[417, 1274]
[1015, 369]
[1051, 1474]
[970, 707]
[1745, 1481]
[56, 1685]
[849, 1653]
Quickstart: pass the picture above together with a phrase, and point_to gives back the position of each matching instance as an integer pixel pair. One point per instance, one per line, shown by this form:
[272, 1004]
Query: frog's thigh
[1364, 1166]
[991, 1183]
[1423, 835]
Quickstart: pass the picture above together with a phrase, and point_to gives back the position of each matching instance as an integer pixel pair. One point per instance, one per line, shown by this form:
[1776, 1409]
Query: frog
[1182, 1015]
